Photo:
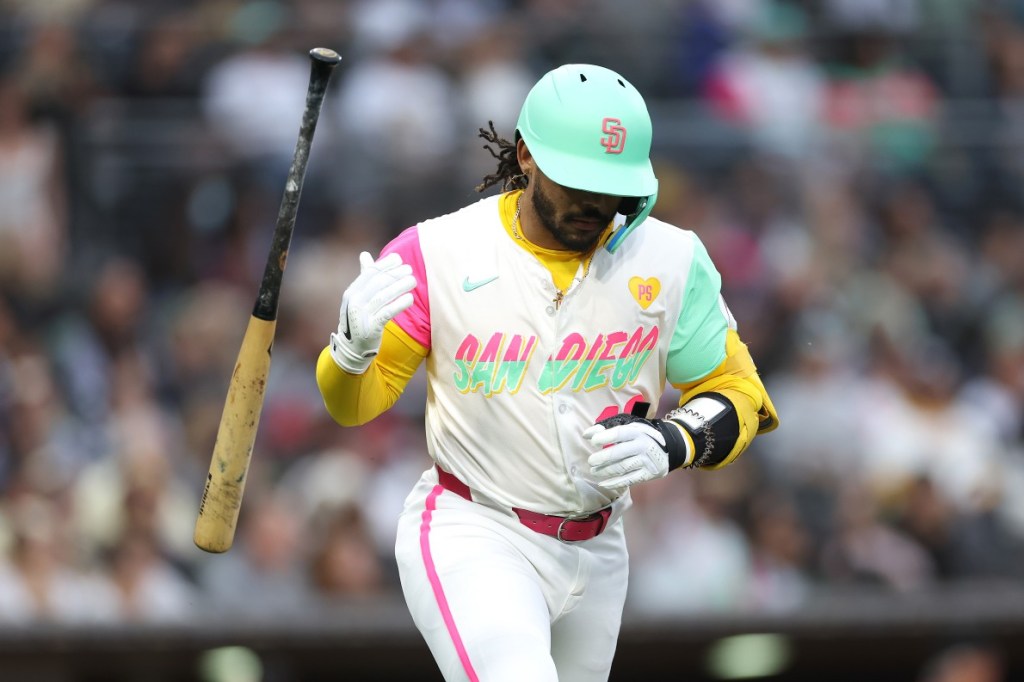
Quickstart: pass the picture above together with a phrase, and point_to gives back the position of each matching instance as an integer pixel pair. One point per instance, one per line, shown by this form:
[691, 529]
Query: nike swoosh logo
[348, 329]
[470, 286]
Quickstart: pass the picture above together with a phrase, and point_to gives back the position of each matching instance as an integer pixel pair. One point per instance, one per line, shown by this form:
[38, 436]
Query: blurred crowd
[853, 166]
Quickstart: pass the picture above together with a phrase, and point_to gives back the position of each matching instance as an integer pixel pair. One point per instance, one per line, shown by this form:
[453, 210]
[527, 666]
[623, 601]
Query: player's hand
[634, 450]
[381, 291]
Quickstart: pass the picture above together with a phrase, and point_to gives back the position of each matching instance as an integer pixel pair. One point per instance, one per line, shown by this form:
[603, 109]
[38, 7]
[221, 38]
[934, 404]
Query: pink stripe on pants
[435, 584]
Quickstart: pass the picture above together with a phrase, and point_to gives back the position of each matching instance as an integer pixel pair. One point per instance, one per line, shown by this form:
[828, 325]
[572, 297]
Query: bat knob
[325, 55]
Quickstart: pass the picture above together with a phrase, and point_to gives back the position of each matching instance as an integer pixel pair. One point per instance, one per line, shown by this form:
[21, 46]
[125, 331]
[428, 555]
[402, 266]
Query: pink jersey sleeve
[415, 320]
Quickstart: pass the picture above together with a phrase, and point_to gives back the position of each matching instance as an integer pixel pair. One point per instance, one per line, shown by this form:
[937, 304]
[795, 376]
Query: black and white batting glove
[381, 291]
[635, 449]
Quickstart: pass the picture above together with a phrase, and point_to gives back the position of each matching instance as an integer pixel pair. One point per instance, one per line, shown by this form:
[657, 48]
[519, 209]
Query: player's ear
[523, 154]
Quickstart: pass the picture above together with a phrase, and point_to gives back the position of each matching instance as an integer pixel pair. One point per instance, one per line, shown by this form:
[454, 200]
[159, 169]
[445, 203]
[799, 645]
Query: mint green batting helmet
[589, 128]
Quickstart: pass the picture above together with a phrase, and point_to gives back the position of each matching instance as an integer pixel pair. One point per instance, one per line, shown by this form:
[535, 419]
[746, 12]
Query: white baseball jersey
[514, 379]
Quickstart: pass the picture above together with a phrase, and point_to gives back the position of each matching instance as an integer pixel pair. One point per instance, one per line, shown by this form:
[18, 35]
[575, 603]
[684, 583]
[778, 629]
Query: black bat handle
[323, 60]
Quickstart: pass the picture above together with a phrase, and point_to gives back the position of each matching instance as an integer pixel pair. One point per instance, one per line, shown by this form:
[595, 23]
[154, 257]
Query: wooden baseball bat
[236, 435]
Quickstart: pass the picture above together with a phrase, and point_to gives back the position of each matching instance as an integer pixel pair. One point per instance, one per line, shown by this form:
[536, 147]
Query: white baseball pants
[498, 602]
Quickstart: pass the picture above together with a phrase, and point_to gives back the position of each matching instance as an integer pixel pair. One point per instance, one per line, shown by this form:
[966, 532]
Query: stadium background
[854, 167]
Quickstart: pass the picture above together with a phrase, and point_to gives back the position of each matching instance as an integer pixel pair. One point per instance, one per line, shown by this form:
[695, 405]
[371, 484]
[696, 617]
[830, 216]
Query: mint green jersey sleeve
[698, 341]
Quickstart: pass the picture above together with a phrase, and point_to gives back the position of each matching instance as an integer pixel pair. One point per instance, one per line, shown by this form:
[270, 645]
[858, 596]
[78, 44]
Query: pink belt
[565, 528]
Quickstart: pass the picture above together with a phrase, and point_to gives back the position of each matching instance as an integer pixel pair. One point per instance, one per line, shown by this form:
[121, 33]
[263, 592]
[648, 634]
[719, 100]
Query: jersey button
[550, 310]
[563, 408]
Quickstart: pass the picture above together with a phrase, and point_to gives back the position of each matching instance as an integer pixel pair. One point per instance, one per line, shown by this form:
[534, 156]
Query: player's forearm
[720, 424]
[723, 412]
[354, 399]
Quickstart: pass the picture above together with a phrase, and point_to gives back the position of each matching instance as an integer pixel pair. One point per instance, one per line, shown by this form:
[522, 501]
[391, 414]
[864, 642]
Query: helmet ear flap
[636, 210]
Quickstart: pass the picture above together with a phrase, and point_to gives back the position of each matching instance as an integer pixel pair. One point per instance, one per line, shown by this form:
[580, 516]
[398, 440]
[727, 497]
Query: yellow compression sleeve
[737, 380]
[354, 399]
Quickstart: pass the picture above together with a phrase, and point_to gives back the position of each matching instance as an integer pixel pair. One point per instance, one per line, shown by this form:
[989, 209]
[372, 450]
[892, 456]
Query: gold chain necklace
[515, 218]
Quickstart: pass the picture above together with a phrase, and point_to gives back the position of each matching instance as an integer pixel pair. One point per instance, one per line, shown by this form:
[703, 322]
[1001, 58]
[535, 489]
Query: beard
[560, 226]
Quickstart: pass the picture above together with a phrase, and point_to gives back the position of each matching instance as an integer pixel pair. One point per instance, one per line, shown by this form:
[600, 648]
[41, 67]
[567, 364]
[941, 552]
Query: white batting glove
[634, 450]
[381, 291]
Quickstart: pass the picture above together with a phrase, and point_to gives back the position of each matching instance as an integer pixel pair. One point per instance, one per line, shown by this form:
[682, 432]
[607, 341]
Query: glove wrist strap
[678, 442]
[678, 445]
[346, 358]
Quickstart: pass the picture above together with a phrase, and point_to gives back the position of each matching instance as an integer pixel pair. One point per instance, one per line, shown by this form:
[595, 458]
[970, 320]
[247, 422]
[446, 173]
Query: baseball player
[550, 317]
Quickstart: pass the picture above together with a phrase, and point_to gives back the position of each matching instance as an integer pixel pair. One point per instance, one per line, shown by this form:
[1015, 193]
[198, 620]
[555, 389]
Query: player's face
[574, 218]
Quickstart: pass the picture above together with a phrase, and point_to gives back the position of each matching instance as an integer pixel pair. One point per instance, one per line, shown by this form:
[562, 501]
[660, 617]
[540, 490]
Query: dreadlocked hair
[509, 175]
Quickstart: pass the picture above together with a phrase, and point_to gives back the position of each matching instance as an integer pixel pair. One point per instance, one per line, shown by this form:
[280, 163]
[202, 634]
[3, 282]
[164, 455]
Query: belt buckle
[565, 519]
[561, 525]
